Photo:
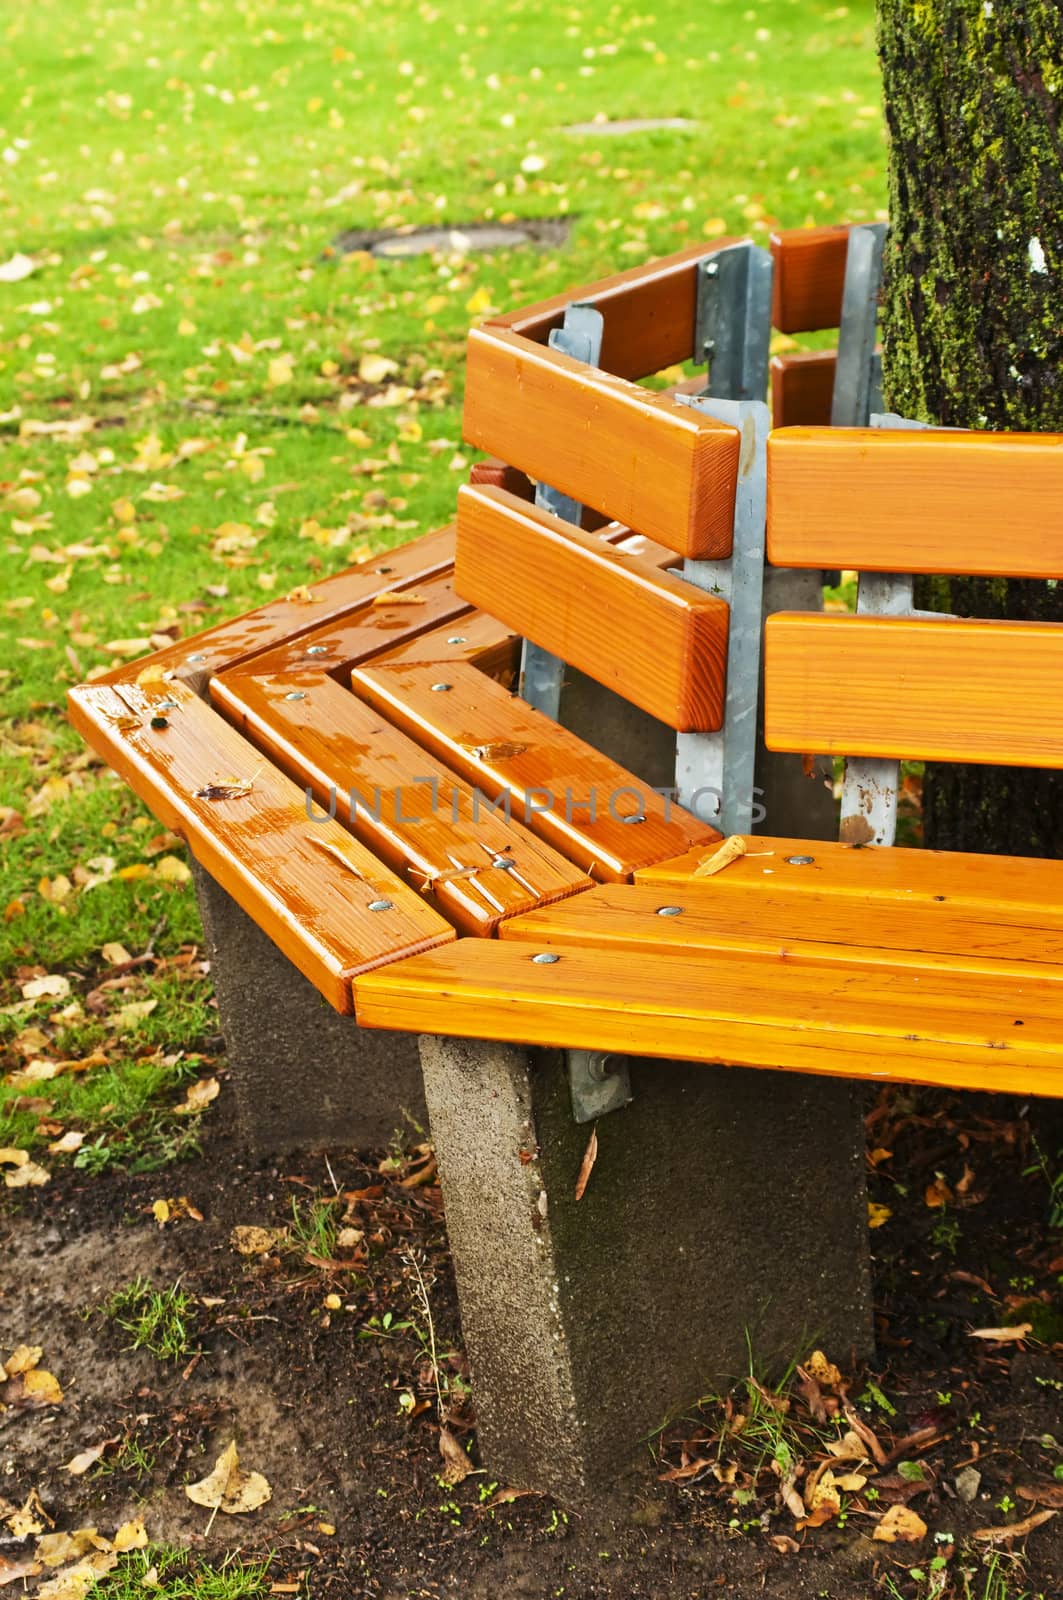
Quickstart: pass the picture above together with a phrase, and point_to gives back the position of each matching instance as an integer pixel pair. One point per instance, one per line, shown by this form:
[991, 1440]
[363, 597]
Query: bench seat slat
[662, 468]
[908, 687]
[1019, 892]
[875, 1023]
[818, 930]
[259, 846]
[301, 611]
[653, 638]
[475, 637]
[424, 822]
[364, 631]
[911, 500]
[809, 277]
[502, 745]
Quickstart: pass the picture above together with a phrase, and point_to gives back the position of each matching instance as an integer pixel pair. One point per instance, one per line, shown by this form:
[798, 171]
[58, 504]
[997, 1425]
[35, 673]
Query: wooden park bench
[444, 858]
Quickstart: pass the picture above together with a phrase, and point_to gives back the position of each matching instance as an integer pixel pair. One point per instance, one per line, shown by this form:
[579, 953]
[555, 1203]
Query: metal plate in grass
[461, 239]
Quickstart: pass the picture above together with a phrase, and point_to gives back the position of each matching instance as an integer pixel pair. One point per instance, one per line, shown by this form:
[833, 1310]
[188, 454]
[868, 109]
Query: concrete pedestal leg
[303, 1076]
[725, 1205]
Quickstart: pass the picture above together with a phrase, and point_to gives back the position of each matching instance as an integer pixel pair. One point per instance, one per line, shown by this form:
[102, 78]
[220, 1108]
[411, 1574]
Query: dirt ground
[320, 1368]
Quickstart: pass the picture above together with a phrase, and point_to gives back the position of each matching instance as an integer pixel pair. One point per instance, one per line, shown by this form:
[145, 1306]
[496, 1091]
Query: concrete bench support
[304, 1077]
[723, 1202]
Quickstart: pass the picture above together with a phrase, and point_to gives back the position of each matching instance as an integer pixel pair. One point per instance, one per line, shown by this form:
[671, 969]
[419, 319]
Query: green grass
[161, 1321]
[175, 1575]
[177, 173]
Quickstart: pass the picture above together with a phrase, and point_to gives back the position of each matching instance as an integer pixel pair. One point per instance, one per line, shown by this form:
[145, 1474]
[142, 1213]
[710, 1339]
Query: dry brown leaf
[76, 1582]
[938, 1193]
[1042, 1494]
[824, 1371]
[199, 1095]
[29, 1519]
[11, 1157]
[851, 1482]
[28, 1176]
[456, 1464]
[590, 1156]
[505, 1497]
[131, 1535]
[900, 1525]
[67, 1144]
[784, 1544]
[252, 1241]
[56, 1549]
[53, 986]
[1003, 1335]
[88, 1458]
[398, 597]
[1013, 1530]
[731, 850]
[227, 1488]
[12, 1571]
[877, 1215]
[40, 1388]
[23, 1358]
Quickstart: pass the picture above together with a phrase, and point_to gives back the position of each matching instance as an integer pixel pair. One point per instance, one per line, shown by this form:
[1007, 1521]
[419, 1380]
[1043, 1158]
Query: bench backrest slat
[809, 277]
[983, 504]
[651, 637]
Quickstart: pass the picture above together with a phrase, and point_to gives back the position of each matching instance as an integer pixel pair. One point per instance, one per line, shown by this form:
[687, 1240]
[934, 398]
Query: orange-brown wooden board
[476, 638]
[980, 1032]
[309, 888]
[909, 500]
[818, 929]
[662, 468]
[299, 612]
[394, 618]
[648, 310]
[407, 807]
[809, 277]
[802, 388]
[571, 795]
[653, 638]
[907, 687]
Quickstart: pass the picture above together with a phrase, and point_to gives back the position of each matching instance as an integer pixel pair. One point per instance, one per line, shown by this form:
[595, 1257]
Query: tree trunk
[973, 307]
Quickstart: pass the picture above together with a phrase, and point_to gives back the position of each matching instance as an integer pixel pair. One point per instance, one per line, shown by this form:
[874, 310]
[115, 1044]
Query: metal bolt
[503, 863]
[800, 861]
[167, 705]
[669, 911]
[440, 688]
[545, 959]
[380, 905]
[199, 656]
[317, 650]
[296, 694]
[456, 638]
[712, 269]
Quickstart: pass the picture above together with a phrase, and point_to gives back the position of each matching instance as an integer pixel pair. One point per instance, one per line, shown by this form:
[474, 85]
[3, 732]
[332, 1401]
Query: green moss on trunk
[973, 303]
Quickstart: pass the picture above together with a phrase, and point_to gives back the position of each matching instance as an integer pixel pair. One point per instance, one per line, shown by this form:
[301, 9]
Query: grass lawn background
[194, 412]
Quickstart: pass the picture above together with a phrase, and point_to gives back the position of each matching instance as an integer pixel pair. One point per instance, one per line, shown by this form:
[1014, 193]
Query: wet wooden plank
[408, 808]
[396, 617]
[875, 1023]
[809, 277]
[661, 468]
[907, 500]
[568, 793]
[475, 638]
[309, 888]
[653, 638]
[801, 928]
[289, 617]
[913, 688]
[802, 388]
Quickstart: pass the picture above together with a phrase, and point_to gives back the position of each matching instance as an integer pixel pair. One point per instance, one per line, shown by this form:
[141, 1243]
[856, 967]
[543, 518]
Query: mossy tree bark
[973, 306]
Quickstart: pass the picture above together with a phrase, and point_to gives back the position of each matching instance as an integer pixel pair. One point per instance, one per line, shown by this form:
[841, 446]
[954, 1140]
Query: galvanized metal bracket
[858, 373]
[732, 329]
[721, 765]
[599, 1082]
[542, 674]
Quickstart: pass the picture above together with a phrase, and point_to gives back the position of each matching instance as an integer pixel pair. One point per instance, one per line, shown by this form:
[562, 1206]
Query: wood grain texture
[802, 388]
[292, 616]
[360, 633]
[874, 1023]
[286, 874]
[652, 637]
[648, 311]
[908, 687]
[567, 792]
[661, 468]
[408, 808]
[811, 928]
[984, 504]
[809, 277]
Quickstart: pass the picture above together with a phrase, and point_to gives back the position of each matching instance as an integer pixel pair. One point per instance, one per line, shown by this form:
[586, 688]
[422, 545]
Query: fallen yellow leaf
[900, 1525]
[229, 1489]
